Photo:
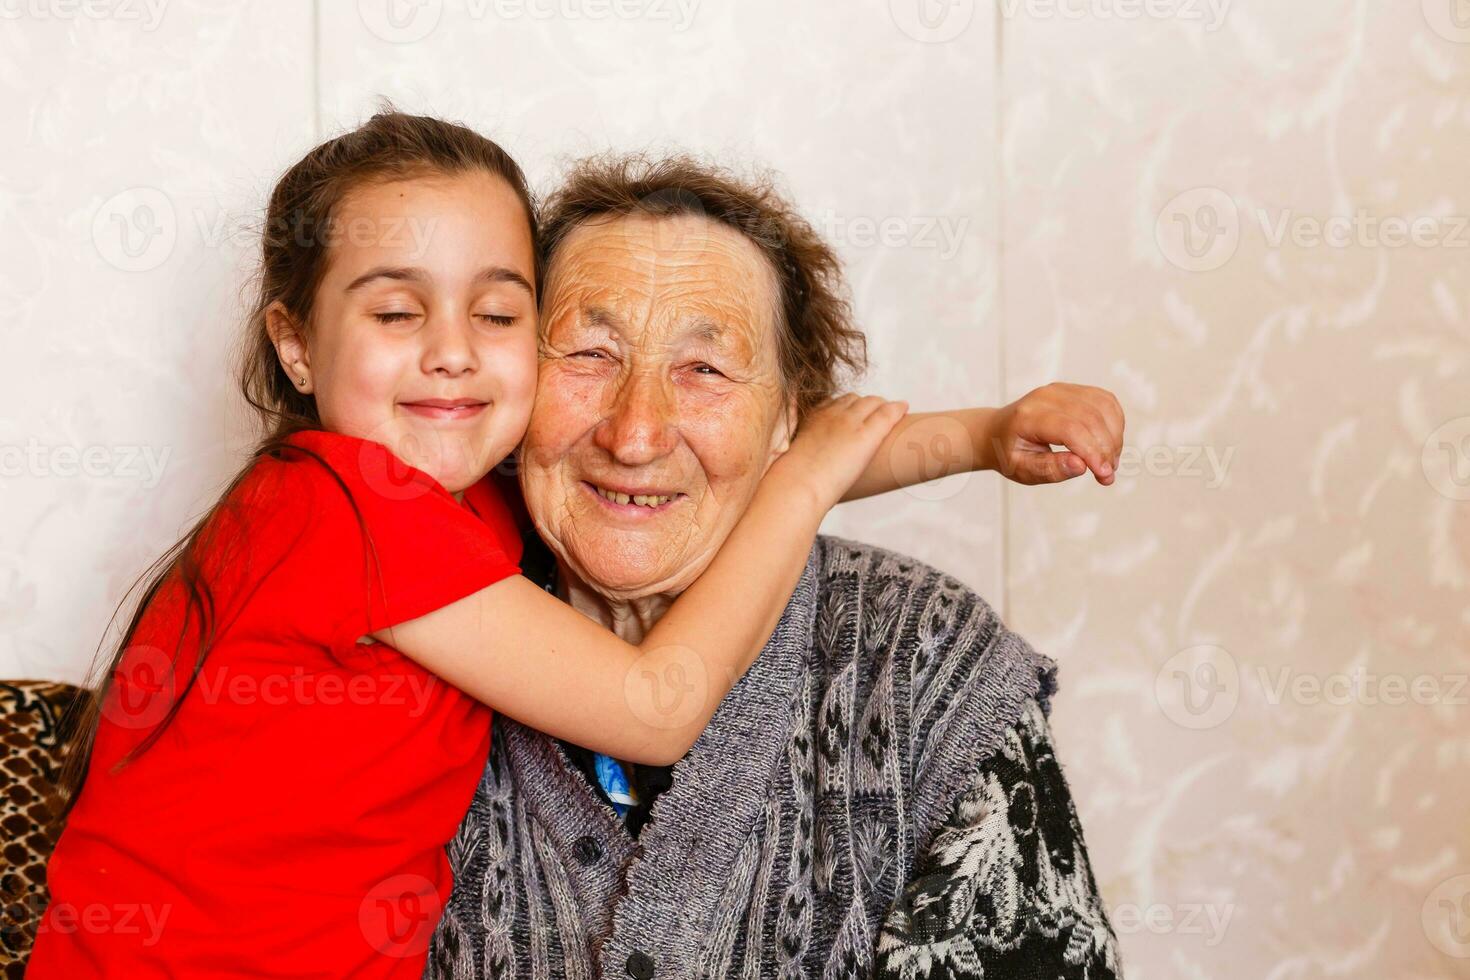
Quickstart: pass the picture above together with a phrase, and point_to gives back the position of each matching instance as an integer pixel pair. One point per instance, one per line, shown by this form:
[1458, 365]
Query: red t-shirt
[291, 819]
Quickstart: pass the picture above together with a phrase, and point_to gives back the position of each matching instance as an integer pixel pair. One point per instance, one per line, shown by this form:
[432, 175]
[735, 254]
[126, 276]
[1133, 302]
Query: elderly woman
[879, 793]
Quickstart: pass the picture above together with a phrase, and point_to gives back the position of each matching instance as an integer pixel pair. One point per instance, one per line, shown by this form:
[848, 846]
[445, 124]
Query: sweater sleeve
[1005, 888]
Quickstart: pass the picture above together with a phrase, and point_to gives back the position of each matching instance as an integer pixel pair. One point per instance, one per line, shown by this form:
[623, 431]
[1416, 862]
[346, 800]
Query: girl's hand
[1088, 421]
[835, 444]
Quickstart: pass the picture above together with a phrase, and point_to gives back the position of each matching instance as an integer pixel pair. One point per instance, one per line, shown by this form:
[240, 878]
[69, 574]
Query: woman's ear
[291, 349]
[784, 431]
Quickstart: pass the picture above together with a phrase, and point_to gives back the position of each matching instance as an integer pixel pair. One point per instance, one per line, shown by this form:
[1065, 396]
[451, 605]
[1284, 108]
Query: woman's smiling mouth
[634, 502]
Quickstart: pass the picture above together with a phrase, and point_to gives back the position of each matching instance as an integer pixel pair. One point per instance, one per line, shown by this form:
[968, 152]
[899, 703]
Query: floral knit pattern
[1005, 890]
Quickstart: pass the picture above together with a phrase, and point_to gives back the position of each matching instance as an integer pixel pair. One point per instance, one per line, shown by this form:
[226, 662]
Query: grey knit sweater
[876, 796]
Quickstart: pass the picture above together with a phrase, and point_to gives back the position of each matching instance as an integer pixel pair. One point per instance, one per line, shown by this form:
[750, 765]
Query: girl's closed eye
[400, 316]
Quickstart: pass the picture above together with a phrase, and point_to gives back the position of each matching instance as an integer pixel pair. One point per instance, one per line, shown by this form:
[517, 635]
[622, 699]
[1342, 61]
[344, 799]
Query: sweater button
[640, 966]
[587, 850]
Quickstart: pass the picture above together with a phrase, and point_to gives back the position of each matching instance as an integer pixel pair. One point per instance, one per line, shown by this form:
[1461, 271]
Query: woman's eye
[708, 370]
[396, 316]
[589, 353]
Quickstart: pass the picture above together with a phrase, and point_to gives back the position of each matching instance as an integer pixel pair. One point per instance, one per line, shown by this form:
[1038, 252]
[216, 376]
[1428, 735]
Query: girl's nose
[447, 346]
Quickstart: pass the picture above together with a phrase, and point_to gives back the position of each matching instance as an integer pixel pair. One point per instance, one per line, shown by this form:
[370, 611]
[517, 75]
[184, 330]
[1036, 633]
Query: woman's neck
[630, 619]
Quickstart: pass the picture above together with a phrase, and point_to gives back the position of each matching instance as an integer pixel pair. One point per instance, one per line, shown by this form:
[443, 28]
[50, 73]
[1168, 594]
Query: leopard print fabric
[34, 728]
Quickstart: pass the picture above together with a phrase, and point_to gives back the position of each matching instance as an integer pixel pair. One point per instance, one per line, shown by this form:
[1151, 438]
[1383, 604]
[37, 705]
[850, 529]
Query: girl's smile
[446, 410]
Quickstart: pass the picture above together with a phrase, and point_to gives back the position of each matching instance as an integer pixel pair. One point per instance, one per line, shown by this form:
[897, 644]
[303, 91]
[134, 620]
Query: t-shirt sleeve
[375, 550]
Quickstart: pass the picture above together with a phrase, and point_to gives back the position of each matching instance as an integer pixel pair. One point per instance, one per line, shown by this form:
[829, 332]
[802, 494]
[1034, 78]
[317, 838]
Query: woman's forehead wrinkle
[711, 285]
[720, 306]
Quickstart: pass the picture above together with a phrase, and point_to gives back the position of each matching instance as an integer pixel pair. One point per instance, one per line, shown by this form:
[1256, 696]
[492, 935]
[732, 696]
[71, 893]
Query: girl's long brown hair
[293, 261]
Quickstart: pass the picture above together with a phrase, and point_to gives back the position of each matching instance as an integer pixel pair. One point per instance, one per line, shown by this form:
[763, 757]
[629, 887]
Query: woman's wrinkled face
[424, 328]
[659, 405]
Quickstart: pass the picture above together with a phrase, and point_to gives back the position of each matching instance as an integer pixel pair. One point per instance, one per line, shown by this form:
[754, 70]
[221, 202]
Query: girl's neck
[630, 619]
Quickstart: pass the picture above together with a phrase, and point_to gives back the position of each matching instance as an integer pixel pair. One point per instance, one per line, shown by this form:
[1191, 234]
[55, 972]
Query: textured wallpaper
[1256, 233]
[1250, 219]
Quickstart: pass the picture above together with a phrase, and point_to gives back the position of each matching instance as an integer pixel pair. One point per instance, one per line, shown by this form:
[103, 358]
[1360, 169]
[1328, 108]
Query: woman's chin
[618, 571]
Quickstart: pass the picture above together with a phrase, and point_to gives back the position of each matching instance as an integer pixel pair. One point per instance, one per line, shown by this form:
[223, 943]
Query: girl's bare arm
[527, 654]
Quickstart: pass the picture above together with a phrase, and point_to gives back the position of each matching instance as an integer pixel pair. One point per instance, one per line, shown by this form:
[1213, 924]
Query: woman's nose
[641, 422]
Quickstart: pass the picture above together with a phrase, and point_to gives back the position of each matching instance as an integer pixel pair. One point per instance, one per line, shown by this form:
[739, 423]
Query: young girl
[298, 713]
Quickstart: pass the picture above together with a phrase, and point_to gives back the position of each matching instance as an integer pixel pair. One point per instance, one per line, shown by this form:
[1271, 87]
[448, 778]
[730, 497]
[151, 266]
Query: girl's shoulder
[339, 538]
[327, 474]
[353, 463]
[342, 485]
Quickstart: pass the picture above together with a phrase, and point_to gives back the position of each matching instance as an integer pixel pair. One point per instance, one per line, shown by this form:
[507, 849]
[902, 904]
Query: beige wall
[1322, 820]
[1289, 542]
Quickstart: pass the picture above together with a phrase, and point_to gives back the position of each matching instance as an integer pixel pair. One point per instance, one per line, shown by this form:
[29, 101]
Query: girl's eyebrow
[403, 273]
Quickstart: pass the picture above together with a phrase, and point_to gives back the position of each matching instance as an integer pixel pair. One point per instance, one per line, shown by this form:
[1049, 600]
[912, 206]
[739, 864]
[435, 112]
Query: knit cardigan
[877, 795]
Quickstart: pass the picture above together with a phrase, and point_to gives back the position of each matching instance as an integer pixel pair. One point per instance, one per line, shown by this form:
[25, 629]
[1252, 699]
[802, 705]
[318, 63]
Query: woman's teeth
[640, 499]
